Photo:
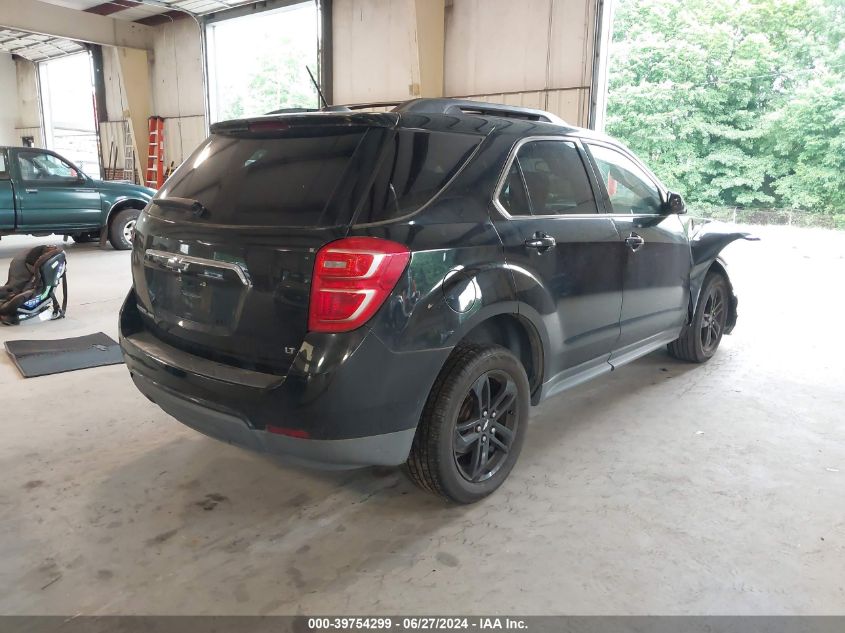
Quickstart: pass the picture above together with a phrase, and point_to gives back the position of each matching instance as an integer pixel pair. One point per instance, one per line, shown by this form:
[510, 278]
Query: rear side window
[417, 164]
[4, 171]
[548, 178]
[298, 179]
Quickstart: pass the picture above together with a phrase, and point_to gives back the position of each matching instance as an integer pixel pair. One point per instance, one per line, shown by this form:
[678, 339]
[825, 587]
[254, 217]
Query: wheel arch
[121, 204]
[707, 241]
[517, 334]
[717, 265]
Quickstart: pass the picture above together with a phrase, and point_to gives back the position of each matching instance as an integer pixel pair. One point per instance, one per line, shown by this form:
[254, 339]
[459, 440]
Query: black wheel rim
[713, 319]
[486, 426]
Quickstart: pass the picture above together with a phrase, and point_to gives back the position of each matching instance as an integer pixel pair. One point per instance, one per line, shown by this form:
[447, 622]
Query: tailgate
[223, 257]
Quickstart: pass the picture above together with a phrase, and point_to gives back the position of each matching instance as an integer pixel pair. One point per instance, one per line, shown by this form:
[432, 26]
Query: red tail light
[352, 278]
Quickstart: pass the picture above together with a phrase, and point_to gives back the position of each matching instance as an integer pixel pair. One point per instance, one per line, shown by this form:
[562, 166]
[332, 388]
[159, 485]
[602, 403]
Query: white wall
[9, 106]
[534, 53]
[373, 50]
[178, 92]
[176, 88]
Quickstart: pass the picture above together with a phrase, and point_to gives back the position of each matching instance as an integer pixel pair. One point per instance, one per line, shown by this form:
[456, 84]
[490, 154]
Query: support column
[430, 34]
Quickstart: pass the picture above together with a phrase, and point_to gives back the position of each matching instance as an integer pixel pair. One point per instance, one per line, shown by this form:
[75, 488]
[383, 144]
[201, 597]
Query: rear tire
[122, 228]
[472, 426]
[700, 340]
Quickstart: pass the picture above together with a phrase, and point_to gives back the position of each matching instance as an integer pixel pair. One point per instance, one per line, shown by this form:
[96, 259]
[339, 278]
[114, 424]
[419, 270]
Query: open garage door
[259, 62]
[67, 99]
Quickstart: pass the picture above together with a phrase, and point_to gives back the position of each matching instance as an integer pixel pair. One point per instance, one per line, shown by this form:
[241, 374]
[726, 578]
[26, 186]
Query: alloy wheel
[486, 426]
[713, 319]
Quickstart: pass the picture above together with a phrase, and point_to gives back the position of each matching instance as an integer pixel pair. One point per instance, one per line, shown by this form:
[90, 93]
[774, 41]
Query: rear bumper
[386, 449]
[346, 401]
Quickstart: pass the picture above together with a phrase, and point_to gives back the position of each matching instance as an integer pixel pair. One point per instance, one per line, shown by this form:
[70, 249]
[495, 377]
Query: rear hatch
[223, 257]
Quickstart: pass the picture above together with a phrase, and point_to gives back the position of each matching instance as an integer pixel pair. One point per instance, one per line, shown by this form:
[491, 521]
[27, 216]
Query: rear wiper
[185, 204]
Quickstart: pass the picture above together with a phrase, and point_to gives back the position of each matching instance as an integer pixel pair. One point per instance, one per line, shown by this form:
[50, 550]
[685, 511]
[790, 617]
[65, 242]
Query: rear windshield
[285, 181]
[318, 176]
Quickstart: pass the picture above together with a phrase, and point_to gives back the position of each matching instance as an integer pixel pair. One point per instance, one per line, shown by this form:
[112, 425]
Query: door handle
[540, 241]
[32, 190]
[634, 242]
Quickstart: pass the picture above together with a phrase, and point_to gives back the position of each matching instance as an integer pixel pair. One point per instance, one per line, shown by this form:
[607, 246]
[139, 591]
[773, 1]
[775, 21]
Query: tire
[700, 340]
[121, 228]
[86, 238]
[454, 413]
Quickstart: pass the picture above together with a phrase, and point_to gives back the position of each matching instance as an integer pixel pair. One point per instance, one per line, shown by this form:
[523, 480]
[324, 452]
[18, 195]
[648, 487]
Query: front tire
[473, 424]
[122, 229]
[700, 340]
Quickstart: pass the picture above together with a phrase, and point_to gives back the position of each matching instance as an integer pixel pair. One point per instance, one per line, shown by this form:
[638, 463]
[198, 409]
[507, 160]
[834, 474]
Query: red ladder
[155, 160]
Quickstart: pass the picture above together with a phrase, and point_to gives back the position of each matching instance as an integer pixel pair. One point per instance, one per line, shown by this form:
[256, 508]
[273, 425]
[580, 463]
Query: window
[4, 172]
[629, 188]
[417, 166]
[45, 167]
[292, 180]
[547, 178]
[513, 196]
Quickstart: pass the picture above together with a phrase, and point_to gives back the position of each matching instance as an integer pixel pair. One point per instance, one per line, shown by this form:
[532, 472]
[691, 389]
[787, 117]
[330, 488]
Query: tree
[734, 102]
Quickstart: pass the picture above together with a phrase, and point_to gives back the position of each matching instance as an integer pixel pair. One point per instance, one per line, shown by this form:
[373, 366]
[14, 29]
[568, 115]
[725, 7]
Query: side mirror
[675, 203]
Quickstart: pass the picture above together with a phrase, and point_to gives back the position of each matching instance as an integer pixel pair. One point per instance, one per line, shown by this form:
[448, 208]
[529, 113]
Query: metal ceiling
[42, 47]
[36, 48]
[140, 9]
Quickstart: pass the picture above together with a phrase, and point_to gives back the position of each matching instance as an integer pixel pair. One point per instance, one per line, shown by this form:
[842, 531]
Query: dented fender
[707, 239]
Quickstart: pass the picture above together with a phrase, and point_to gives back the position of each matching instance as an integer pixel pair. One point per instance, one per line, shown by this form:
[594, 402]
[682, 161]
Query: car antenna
[317, 86]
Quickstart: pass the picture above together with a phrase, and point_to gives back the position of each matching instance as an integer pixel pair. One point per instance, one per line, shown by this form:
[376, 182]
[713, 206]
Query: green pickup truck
[42, 193]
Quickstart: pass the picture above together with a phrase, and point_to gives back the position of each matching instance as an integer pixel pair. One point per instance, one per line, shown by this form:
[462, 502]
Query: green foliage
[734, 102]
[277, 79]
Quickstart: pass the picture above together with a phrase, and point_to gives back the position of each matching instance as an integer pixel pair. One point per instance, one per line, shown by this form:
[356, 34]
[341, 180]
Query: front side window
[548, 178]
[629, 188]
[45, 167]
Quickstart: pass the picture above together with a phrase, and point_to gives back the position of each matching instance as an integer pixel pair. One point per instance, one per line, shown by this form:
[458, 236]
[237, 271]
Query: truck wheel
[123, 228]
[85, 238]
[472, 426]
[700, 340]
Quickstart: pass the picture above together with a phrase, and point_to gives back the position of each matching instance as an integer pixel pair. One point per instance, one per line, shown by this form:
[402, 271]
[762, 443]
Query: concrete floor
[663, 488]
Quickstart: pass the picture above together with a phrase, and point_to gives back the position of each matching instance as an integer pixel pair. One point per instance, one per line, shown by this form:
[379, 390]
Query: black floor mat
[40, 358]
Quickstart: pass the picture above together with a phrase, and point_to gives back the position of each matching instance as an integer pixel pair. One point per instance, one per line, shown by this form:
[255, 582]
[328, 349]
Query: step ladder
[155, 159]
[128, 153]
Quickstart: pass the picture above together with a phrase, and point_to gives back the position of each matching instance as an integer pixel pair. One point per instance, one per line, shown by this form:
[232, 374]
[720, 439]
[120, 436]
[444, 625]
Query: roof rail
[466, 106]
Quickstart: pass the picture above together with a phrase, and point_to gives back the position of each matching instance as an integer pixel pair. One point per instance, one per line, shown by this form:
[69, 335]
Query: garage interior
[665, 488]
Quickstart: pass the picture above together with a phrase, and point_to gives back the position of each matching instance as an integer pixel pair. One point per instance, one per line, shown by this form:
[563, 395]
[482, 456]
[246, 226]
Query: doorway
[259, 62]
[67, 105]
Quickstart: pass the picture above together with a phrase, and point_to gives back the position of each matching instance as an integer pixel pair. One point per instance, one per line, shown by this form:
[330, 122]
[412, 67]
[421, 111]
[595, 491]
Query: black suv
[348, 288]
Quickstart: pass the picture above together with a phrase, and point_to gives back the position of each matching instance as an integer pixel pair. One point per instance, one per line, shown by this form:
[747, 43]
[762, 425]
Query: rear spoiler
[283, 121]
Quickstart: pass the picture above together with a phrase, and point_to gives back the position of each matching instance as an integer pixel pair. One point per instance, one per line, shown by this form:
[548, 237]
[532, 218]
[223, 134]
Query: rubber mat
[41, 358]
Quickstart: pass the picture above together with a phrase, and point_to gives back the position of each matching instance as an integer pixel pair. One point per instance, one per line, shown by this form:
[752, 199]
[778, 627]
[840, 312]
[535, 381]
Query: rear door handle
[540, 241]
[32, 190]
[634, 242]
